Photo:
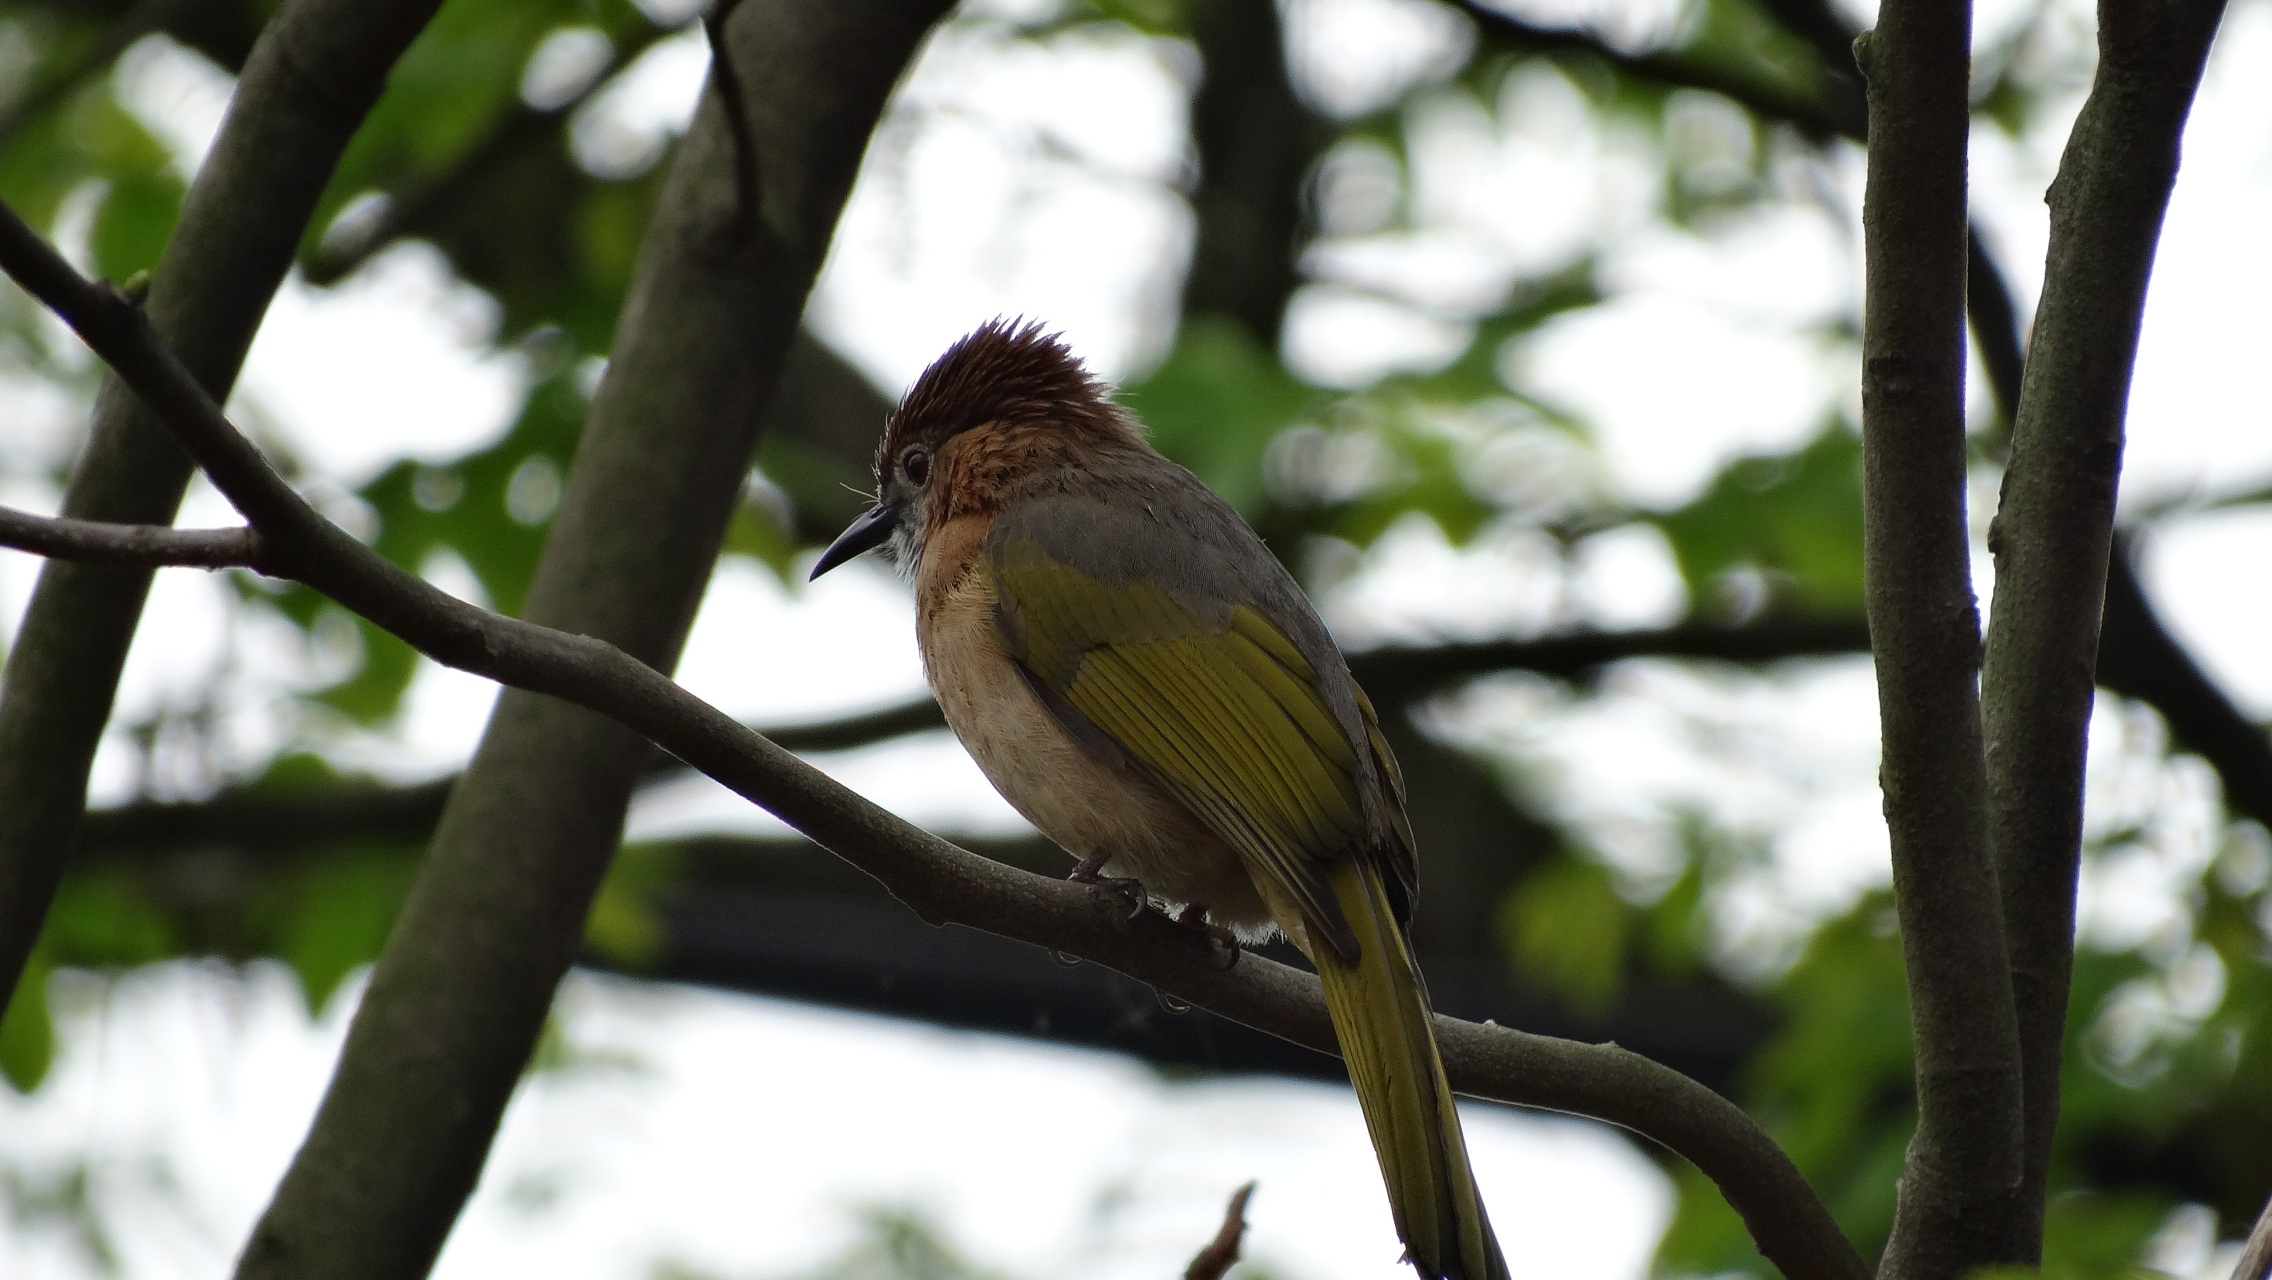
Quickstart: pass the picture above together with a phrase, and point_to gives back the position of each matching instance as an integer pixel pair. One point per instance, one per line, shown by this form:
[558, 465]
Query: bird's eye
[917, 464]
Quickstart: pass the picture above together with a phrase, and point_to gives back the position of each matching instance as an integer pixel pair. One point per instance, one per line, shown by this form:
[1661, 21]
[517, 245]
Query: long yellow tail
[1380, 1013]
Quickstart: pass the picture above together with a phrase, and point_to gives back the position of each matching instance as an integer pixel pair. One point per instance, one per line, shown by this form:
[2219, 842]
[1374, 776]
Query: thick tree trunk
[497, 914]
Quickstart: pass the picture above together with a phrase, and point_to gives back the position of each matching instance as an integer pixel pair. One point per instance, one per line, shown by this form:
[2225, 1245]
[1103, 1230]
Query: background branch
[1834, 109]
[942, 883]
[2054, 525]
[52, 84]
[1962, 1167]
[351, 243]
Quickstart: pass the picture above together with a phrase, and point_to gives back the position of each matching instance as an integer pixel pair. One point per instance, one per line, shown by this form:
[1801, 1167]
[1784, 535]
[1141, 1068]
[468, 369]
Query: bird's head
[1005, 407]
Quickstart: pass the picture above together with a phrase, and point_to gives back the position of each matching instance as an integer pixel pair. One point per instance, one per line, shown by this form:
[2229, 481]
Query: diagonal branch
[940, 882]
[315, 71]
[1962, 1168]
[2053, 529]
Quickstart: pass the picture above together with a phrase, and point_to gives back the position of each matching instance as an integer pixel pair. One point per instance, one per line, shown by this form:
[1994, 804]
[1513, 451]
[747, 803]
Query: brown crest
[1007, 372]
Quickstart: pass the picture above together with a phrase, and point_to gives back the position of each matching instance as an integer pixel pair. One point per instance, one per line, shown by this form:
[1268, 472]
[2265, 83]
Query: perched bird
[1142, 679]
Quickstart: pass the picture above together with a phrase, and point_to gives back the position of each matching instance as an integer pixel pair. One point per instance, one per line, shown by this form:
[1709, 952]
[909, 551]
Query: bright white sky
[740, 1136]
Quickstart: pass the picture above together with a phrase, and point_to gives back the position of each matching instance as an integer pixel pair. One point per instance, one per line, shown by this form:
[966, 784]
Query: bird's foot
[1091, 871]
[1226, 944]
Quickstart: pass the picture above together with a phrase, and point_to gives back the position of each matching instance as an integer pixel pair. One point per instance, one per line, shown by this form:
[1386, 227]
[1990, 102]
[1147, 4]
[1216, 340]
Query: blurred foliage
[1778, 531]
[2169, 1074]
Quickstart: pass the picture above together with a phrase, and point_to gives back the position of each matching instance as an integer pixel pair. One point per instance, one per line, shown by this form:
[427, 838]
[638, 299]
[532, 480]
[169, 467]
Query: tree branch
[2055, 523]
[940, 882]
[2137, 655]
[146, 546]
[1837, 111]
[1962, 1169]
[497, 914]
[310, 79]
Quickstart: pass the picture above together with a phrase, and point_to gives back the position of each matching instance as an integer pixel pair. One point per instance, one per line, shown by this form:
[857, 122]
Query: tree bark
[2055, 523]
[1962, 1168]
[497, 913]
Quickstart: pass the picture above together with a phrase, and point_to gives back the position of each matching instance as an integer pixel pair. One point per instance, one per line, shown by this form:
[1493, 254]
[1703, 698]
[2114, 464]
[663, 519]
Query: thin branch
[1995, 323]
[2139, 658]
[2054, 527]
[2137, 655]
[146, 546]
[1836, 111]
[940, 882]
[1963, 1164]
[310, 78]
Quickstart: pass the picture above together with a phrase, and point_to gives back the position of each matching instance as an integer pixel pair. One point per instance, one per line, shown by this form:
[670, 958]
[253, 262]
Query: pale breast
[1079, 801]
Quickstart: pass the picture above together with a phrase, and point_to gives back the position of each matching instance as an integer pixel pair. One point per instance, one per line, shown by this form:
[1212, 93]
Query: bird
[1142, 679]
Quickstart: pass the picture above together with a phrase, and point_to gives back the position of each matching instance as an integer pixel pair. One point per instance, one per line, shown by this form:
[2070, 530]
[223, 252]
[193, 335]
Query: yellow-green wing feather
[1226, 718]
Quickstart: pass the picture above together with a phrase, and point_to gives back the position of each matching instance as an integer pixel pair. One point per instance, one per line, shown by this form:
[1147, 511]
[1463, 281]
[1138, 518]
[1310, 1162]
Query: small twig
[145, 545]
[939, 881]
[1223, 1250]
[1838, 112]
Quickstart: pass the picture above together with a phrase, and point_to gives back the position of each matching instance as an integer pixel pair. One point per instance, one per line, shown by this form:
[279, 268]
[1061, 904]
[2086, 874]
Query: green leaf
[490, 508]
[27, 1034]
[754, 532]
[109, 918]
[136, 220]
[1217, 403]
[1152, 17]
[339, 916]
[623, 928]
[1796, 518]
[2100, 1235]
[1566, 927]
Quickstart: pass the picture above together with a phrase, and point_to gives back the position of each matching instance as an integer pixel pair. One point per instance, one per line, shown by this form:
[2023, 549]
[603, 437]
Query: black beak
[866, 534]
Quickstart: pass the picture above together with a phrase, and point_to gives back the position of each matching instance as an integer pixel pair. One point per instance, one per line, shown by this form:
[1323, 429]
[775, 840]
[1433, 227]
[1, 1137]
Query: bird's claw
[1091, 871]
[1223, 941]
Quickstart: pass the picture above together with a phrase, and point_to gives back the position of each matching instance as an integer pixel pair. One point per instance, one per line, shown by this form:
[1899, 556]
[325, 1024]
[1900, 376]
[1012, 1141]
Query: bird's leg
[1090, 870]
[1194, 917]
